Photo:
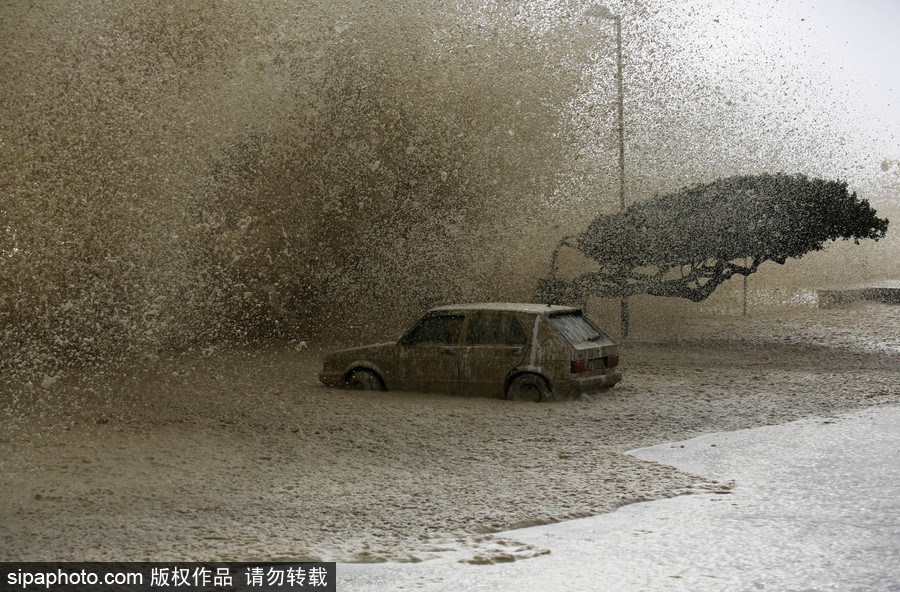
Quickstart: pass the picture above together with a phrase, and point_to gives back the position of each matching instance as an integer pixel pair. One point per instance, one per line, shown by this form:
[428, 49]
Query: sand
[240, 454]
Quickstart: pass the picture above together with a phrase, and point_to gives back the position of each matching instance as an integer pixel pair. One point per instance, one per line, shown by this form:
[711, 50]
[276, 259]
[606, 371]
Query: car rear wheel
[364, 380]
[528, 387]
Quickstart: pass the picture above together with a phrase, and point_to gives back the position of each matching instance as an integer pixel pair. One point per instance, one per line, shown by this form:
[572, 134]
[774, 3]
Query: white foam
[815, 506]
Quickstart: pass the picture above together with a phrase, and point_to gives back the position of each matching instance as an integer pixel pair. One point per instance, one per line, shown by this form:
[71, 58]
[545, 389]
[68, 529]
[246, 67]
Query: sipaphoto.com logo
[25, 579]
[276, 576]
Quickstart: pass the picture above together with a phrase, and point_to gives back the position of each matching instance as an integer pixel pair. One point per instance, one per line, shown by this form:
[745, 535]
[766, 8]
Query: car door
[429, 354]
[494, 344]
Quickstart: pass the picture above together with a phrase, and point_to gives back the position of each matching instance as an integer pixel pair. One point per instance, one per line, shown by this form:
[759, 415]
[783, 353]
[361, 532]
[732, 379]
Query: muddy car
[533, 352]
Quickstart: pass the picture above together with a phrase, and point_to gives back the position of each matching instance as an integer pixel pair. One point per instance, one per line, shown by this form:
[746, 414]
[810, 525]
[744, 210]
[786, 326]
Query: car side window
[436, 330]
[493, 329]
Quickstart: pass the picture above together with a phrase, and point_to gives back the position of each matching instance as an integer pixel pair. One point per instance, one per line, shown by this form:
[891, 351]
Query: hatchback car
[533, 352]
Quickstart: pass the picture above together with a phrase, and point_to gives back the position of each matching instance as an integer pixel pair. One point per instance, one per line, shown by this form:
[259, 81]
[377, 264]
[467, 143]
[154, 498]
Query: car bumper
[331, 379]
[563, 389]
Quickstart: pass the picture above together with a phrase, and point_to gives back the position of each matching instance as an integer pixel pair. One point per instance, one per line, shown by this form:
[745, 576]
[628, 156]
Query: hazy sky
[715, 89]
[837, 59]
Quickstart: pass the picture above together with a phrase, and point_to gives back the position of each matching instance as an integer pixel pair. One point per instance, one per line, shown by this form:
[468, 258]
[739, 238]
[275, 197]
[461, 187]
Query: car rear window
[578, 329]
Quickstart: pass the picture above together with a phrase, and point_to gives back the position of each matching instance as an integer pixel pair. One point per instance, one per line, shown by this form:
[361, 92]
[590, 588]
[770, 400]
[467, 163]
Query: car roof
[526, 307]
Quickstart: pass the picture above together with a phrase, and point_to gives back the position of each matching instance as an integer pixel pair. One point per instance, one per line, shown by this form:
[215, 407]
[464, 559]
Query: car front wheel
[528, 387]
[364, 380]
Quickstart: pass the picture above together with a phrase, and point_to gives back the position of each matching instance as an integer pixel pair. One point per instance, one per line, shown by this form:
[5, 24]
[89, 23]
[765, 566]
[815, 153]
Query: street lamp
[602, 12]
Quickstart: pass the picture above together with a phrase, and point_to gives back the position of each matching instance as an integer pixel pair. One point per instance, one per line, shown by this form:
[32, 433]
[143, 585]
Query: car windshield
[578, 329]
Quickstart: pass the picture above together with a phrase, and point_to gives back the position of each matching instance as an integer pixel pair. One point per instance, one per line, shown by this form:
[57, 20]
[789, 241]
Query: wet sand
[241, 454]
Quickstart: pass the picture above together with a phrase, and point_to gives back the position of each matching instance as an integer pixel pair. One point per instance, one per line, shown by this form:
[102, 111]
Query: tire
[528, 387]
[364, 380]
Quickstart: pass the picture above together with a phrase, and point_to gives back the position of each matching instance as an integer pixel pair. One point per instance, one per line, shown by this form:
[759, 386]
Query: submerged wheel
[528, 387]
[364, 380]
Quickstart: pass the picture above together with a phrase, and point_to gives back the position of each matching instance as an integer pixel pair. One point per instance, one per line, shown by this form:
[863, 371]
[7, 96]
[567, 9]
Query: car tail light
[579, 366]
[612, 361]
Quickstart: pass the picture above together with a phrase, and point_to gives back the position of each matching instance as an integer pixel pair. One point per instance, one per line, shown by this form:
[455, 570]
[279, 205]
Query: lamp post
[600, 11]
[745, 289]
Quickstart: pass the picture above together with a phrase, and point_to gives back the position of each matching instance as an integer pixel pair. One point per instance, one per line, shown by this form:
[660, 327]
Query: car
[535, 352]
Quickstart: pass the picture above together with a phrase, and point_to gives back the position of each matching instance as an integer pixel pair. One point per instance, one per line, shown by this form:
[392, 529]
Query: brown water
[183, 173]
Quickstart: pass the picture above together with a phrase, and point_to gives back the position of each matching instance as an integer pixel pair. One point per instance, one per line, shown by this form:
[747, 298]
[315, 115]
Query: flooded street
[244, 455]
